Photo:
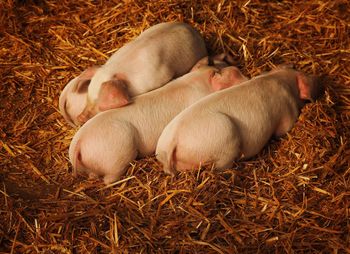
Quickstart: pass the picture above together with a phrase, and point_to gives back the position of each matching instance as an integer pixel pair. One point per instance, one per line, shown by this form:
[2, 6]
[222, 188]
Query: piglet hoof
[170, 172]
[92, 176]
[108, 179]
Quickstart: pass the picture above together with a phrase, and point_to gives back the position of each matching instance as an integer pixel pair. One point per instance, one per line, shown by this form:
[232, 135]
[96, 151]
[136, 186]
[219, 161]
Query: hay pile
[293, 197]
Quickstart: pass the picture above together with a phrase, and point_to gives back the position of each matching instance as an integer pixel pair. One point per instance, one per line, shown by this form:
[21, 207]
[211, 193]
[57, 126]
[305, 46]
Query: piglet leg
[213, 139]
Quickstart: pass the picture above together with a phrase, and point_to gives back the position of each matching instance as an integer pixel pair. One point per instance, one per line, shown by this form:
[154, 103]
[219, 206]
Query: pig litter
[294, 197]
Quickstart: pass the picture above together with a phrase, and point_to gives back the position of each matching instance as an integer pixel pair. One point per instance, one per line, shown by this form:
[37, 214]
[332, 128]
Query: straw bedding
[291, 198]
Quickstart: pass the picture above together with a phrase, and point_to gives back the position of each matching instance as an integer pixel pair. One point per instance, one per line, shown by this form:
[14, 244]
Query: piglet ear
[203, 62]
[89, 72]
[84, 80]
[227, 77]
[309, 87]
[223, 60]
[219, 61]
[113, 94]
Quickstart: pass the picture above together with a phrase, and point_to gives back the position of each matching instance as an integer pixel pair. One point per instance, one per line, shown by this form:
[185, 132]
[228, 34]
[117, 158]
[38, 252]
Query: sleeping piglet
[236, 122]
[158, 55]
[107, 143]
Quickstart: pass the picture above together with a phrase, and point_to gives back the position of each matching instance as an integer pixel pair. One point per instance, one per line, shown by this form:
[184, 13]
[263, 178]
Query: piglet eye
[65, 106]
[83, 85]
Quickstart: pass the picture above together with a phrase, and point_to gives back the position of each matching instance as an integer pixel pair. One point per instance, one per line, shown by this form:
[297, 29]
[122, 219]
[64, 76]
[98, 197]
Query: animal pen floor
[294, 197]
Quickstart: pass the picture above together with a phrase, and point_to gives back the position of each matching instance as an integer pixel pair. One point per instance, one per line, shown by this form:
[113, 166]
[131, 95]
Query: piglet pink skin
[235, 122]
[159, 54]
[107, 143]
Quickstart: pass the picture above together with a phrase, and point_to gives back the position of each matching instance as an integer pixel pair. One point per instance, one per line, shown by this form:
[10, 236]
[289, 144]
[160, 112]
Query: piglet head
[112, 94]
[305, 87]
[73, 97]
[227, 77]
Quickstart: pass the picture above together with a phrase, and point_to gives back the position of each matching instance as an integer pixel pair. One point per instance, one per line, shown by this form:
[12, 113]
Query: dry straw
[291, 198]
